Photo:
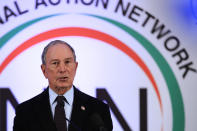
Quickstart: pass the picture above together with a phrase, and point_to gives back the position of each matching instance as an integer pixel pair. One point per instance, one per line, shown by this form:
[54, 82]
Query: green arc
[173, 87]
[4, 39]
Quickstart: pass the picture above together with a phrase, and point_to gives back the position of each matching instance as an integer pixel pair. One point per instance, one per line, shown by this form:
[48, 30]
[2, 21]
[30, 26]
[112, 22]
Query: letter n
[5, 95]
[102, 94]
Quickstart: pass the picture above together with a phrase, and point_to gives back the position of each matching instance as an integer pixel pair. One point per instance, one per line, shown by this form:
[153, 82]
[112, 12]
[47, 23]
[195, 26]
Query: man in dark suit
[61, 107]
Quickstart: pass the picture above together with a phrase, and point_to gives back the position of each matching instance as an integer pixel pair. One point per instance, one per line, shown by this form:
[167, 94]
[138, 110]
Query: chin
[61, 89]
[65, 86]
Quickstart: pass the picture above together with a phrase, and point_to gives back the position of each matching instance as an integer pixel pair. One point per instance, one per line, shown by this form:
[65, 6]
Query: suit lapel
[43, 111]
[78, 117]
[79, 112]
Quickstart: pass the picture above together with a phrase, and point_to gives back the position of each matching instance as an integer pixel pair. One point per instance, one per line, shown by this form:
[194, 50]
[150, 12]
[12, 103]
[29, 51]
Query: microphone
[96, 123]
[74, 125]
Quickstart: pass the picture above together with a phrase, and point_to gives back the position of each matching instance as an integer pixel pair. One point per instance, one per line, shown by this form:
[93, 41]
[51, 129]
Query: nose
[62, 68]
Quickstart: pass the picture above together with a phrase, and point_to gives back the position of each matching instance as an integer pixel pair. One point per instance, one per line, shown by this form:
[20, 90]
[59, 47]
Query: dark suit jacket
[35, 114]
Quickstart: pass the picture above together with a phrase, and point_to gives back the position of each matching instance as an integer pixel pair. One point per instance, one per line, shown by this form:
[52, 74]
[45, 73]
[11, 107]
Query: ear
[43, 68]
[76, 65]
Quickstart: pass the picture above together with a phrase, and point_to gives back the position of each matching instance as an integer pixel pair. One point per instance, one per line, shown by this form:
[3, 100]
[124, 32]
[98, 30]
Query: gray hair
[43, 57]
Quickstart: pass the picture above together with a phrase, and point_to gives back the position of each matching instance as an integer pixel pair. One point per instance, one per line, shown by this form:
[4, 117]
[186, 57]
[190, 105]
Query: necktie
[60, 116]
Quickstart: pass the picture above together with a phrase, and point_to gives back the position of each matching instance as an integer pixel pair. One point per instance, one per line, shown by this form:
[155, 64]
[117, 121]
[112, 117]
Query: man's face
[60, 68]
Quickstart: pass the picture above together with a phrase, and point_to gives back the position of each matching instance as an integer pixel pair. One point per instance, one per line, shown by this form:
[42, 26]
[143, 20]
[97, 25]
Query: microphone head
[96, 123]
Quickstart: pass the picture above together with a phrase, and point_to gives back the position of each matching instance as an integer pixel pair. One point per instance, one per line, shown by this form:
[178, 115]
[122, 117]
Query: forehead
[59, 51]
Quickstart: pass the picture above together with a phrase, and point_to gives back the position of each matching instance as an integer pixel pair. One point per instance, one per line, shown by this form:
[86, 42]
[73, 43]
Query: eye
[67, 61]
[55, 63]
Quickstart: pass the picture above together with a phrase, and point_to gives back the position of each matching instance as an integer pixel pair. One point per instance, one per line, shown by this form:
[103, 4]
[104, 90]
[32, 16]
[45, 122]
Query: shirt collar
[69, 95]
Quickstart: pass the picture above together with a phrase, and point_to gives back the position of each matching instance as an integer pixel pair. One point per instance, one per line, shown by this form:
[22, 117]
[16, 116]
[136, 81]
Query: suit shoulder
[94, 106]
[30, 102]
[91, 100]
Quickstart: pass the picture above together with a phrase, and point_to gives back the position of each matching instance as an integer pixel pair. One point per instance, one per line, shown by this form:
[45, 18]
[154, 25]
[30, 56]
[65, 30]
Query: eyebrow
[69, 58]
[53, 60]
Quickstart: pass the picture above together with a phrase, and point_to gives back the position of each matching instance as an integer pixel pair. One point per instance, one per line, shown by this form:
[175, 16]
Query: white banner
[141, 53]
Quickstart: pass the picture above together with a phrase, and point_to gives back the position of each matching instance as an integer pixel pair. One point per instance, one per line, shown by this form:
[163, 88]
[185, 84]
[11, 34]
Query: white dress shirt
[69, 95]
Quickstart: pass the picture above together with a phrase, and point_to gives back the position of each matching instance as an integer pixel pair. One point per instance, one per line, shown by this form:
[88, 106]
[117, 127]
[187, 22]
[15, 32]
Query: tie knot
[60, 100]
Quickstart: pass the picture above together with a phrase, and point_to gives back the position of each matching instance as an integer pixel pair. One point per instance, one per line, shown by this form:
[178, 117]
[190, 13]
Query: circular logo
[112, 56]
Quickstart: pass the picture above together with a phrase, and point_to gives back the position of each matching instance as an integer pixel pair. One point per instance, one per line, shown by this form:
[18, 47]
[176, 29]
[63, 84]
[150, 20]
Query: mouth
[63, 78]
